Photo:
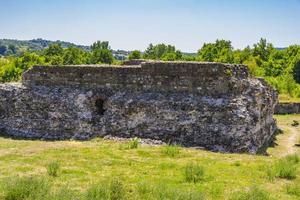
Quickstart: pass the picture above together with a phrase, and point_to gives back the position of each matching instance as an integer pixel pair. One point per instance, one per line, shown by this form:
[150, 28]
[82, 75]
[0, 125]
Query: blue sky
[133, 24]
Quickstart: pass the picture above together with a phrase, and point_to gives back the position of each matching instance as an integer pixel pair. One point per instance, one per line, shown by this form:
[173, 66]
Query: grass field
[102, 169]
[284, 98]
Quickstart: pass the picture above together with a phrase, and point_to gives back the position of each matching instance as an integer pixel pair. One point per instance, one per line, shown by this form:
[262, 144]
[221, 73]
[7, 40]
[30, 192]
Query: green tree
[220, 51]
[101, 53]
[54, 50]
[296, 70]
[162, 51]
[28, 60]
[240, 56]
[12, 70]
[3, 50]
[73, 56]
[100, 45]
[54, 54]
[12, 49]
[150, 52]
[292, 54]
[276, 63]
[135, 55]
[9, 72]
[263, 49]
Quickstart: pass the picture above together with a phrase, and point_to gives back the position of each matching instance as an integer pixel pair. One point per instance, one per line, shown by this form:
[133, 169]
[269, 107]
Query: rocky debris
[133, 62]
[287, 108]
[219, 107]
[141, 140]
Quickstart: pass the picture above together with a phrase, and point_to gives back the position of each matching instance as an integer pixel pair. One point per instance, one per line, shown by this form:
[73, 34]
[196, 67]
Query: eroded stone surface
[211, 105]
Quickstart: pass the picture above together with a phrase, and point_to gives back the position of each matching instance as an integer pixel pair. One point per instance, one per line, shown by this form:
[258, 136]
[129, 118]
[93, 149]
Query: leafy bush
[135, 55]
[295, 123]
[171, 151]
[254, 193]
[237, 163]
[194, 173]
[285, 84]
[53, 169]
[26, 188]
[296, 71]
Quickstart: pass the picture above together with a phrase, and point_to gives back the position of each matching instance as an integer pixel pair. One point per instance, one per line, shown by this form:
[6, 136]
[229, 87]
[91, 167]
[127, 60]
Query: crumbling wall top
[183, 76]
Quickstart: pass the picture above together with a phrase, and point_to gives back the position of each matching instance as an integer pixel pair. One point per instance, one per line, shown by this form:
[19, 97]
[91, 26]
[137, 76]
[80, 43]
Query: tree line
[280, 67]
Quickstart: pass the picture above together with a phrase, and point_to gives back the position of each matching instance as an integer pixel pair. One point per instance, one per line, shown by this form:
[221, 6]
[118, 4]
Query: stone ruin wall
[216, 106]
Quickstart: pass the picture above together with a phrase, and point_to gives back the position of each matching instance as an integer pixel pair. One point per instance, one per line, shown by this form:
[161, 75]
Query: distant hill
[17, 47]
[281, 48]
[35, 45]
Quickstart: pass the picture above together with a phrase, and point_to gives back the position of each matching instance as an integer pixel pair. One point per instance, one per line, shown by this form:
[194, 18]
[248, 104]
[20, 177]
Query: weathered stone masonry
[216, 106]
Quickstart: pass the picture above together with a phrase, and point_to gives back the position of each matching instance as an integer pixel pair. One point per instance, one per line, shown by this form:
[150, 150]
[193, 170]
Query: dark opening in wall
[2, 112]
[99, 103]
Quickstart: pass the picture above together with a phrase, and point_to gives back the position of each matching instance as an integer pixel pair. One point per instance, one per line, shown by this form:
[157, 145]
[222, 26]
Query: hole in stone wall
[99, 103]
[2, 113]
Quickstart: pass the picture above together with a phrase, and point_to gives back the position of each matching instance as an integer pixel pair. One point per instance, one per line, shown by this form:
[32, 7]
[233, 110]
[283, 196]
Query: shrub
[26, 188]
[254, 193]
[295, 123]
[53, 169]
[293, 189]
[135, 55]
[194, 173]
[237, 163]
[171, 151]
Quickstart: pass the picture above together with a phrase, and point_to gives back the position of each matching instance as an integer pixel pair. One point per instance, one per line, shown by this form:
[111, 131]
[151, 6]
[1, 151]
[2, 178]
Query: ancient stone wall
[287, 108]
[201, 78]
[211, 105]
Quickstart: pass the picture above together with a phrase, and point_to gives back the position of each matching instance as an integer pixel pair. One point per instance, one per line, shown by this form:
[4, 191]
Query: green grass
[194, 173]
[132, 144]
[171, 151]
[53, 168]
[254, 193]
[285, 168]
[99, 167]
[293, 189]
[283, 98]
[26, 188]
[112, 190]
